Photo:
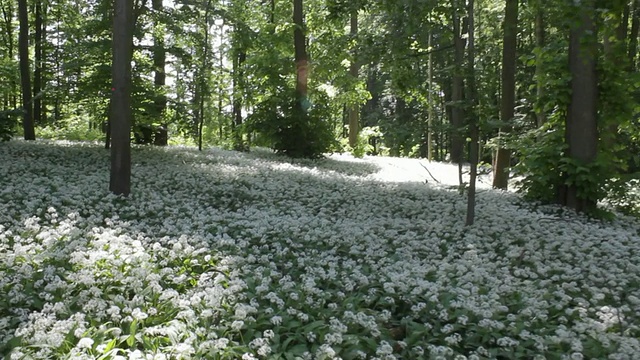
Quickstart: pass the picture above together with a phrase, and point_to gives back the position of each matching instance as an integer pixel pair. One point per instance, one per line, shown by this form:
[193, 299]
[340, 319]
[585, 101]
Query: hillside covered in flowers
[225, 255]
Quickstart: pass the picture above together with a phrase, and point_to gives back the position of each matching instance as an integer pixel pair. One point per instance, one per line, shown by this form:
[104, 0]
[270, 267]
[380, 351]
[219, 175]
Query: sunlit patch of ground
[223, 255]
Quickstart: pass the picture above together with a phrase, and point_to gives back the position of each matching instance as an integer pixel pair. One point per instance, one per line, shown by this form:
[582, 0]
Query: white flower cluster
[227, 255]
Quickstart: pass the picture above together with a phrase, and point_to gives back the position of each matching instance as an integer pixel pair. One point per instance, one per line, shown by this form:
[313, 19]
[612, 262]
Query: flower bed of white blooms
[222, 255]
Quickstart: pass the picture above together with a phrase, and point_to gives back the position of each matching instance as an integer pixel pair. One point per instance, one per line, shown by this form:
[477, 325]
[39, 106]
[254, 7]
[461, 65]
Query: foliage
[365, 145]
[623, 194]
[8, 123]
[77, 128]
[541, 152]
[290, 130]
[226, 255]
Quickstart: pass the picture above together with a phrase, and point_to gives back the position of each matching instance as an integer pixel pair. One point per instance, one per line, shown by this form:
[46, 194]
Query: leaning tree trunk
[581, 132]
[25, 75]
[507, 108]
[121, 115]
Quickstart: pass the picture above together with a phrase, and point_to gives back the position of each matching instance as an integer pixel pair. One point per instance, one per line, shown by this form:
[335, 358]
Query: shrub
[289, 129]
[367, 137]
[8, 124]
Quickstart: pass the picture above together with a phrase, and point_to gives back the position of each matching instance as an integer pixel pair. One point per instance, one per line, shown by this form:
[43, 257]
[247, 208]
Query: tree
[354, 109]
[202, 79]
[301, 57]
[159, 73]
[40, 28]
[581, 131]
[633, 35]
[457, 88]
[121, 116]
[507, 108]
[472, 118]
[25, 74]
[541, 116]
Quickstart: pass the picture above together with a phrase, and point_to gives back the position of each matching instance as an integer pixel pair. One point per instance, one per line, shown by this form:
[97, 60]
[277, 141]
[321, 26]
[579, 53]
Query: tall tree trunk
[7, 22]
[541, 116]
[581, 124]
[472, 118]
[221, 89]
[25, 74]
[430, 98]
[633, 36]
[121, 115]
[354, 109]
[37, 75]
[507, 108]
[301, 57]
[457, 90]
[203, 78]
[240, 57]
[159, 76]
[623, 25]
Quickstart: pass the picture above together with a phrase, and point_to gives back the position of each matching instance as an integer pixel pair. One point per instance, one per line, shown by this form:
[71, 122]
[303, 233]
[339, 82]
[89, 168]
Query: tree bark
[541, 116]
[507, 108]
[457, 90]
[159, 60]
[633, 36]
[202, 79]
[301, 57]
[430, 98]
[473, 120]
[581, 132]
[354, 109]
[238, 61]
[121, 114]
[25, 74]
[37, 75]
[7, 17]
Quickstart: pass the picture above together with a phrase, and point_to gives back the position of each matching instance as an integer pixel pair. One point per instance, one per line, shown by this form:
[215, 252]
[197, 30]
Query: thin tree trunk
[220, 84]
[354, 109]
[121, 115]
[37, 75]
[203, 77]
[238, 61]
[633, 36]
[272, 14]
[457, 91]
[159, 59]
[7, 13]
[25, 76]
[541, 116]
[581, 125]
[301, 57]
[430, 98]
[473, 120]
[507, 108]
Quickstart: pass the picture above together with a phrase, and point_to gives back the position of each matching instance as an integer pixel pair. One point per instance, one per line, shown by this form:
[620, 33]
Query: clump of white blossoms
[227, 255]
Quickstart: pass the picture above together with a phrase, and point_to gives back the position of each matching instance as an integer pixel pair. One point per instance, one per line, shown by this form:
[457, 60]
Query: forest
[319, 179]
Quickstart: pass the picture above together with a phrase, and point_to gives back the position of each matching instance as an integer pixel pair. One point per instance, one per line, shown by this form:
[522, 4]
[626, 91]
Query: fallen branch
[434, 179]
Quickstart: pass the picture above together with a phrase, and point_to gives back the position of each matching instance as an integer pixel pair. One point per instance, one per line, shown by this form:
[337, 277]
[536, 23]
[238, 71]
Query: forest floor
[225, 255]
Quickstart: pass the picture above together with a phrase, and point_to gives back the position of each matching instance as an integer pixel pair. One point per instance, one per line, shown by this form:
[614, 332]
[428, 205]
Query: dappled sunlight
[227, 255]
